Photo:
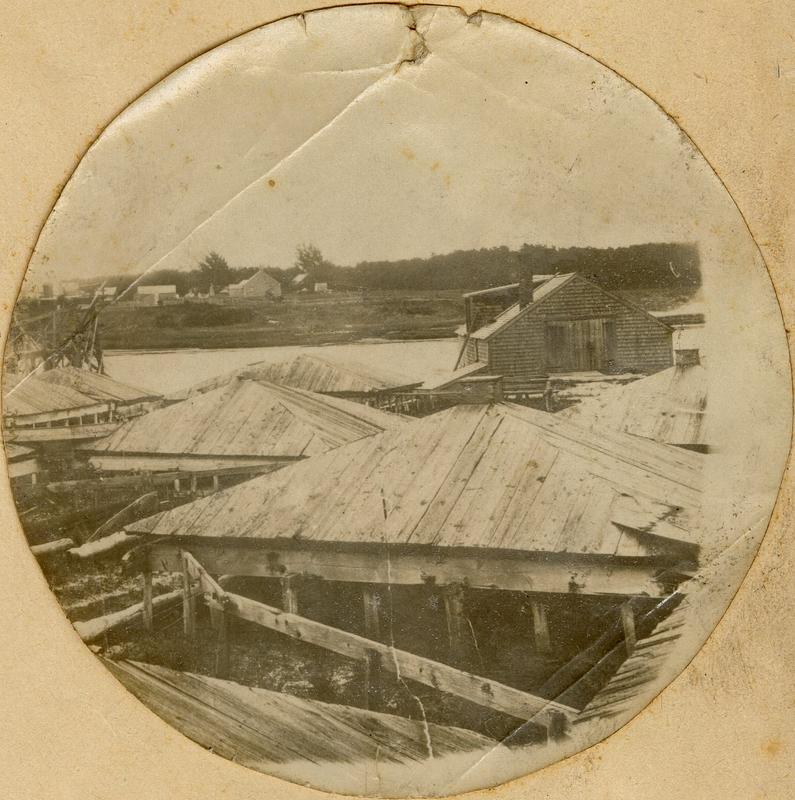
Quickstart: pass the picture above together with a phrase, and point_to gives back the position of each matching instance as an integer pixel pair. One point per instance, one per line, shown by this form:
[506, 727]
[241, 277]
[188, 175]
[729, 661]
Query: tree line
[663, 265]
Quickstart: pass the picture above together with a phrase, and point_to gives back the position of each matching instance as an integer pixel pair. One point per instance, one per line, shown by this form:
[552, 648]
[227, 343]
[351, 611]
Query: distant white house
[260, 284]
[159, 293]
[322, 288]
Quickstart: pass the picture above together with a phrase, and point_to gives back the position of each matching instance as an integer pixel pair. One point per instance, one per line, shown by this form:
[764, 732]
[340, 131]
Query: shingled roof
[501, 476]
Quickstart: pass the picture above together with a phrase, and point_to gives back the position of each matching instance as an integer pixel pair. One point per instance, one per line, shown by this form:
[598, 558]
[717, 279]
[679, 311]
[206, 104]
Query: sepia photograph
[396, 414]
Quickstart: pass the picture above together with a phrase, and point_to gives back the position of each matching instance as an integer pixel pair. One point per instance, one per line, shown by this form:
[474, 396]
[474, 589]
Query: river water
[168, 371]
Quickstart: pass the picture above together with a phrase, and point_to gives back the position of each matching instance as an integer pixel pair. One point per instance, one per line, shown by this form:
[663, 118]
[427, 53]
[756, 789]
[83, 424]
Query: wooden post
[193, 483]
[222, 653]
[216, 483]
[290, 594]
[540, 626]
[188, 601]
[147, 611]
[628, 622]
[457, 626]
[176, 485]
[372, 613]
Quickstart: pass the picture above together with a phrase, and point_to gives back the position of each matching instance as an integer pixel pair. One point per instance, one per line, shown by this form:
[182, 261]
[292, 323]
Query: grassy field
[308, 319]
[304, 319]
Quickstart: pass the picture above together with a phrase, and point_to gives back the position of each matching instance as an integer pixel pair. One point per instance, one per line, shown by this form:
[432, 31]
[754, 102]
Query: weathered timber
[576, 682]
[188, 598]
[372, 612]
[458, 633]
[290, 593]
[628, 622]
[486, 570]
[474, 688]
[103, 546]
[147, 610]
[51, 548]
[92, 629]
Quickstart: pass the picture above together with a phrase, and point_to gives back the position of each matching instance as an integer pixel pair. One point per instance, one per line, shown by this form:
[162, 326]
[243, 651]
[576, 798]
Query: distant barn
[260, 284]
[563, 323]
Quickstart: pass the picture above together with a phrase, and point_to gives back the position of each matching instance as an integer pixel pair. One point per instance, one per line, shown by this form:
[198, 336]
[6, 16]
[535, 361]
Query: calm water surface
[167, 371]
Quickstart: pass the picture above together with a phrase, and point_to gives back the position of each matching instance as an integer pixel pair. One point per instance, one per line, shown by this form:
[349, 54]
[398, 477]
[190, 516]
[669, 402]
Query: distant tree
[213, 271]
[309, 259]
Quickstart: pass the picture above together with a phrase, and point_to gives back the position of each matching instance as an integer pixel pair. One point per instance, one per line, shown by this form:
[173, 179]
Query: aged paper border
[725, 70]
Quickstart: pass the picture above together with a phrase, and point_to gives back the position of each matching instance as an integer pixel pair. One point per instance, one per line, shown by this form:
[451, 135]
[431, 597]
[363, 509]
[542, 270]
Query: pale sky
[500, 136]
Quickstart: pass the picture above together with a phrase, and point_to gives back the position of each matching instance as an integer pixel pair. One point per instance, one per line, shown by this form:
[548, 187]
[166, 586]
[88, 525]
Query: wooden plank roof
[669, 406]
[502, 476]
[313, 374]
[102, 388]
[249, 418]
[33, 395]
[258, 728]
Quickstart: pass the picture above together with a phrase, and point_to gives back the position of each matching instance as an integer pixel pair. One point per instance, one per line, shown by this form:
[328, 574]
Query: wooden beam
[219, 616]
[188, 599]
[520, 573]
[458, 633]
[103, 546]
[290, 593]
[372, 612]
[51, 548]
[92, 629]
[147, 610]
[476, 689]
[628, 623]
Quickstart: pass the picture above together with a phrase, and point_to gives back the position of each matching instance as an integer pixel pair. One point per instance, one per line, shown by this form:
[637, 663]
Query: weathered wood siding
[641, 343]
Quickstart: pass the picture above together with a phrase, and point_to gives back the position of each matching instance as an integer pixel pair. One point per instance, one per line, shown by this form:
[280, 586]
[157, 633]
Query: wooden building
[560, 324]
[260, 285]
[68, 405]
[127, 401]
[242, 428]
[440, 531]
[669, 406]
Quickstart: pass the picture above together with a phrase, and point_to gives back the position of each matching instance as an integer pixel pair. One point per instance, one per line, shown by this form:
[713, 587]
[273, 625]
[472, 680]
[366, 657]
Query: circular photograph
[395, 400]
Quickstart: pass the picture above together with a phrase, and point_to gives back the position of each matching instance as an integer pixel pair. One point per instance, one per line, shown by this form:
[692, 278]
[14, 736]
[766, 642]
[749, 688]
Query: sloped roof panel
[101, 387]
[669, 406]
[249, 418]
[504, 477]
